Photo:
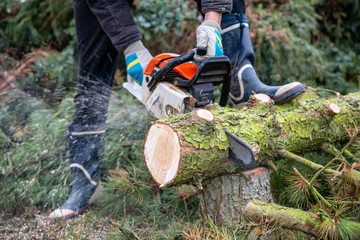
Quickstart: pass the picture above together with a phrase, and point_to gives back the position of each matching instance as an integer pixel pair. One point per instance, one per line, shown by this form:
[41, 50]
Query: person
[105, 28]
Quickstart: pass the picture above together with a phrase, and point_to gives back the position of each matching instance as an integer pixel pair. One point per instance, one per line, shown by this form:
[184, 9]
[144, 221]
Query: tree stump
[223, 198]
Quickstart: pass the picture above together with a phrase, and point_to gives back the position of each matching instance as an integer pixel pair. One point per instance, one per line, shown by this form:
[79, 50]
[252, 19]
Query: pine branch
[316, 194]
[329, 148]
[272, 166]
[127, 233]
[317, 174]
[303, 161]
[348, 154]
[317, 167]
[327, 90]
[345, 202]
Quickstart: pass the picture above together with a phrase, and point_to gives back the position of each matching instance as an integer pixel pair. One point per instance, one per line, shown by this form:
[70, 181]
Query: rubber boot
[244, 81]
[86, 147]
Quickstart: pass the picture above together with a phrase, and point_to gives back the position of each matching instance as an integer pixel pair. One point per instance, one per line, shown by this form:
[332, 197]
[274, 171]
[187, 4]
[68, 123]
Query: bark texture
[199, 148]
[223, 198]
[291, 218]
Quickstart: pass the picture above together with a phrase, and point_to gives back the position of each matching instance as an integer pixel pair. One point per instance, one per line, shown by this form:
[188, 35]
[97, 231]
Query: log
[291, 218]
[187, 148]
[223, 198]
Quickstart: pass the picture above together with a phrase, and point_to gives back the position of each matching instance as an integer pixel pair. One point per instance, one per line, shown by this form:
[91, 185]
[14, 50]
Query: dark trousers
[97, 59]
[103, 28]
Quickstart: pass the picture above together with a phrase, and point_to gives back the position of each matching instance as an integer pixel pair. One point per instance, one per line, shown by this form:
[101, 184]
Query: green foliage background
[316, 42]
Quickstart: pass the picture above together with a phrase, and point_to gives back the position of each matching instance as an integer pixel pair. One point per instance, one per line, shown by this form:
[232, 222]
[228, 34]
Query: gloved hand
[137, 57]
[208, 36]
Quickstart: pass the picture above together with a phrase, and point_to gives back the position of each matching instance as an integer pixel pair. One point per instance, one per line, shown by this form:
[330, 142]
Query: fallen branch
[291, 218]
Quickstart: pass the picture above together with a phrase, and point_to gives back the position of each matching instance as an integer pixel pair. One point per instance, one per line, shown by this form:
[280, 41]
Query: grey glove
[208, 36]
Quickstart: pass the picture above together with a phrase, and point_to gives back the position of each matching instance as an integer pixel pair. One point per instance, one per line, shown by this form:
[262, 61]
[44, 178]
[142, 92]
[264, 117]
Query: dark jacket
[118, 23]
[223, 6]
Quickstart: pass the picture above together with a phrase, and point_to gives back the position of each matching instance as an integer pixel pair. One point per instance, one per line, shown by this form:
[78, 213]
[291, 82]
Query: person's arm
[116, 21]
[220, 6]
[213, 16]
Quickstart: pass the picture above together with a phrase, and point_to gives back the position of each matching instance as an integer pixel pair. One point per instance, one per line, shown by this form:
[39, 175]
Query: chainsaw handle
[158, 75]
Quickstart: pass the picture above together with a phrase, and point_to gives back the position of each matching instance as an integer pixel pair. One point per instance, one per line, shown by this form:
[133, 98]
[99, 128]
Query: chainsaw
[174, 84]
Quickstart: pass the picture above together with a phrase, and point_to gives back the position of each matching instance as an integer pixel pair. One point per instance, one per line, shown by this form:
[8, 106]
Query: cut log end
[259, 98]
[334, 109]
[205, 115]
[162, 153]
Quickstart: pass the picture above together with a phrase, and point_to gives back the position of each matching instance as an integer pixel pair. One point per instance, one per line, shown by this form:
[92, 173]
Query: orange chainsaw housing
[187, 70]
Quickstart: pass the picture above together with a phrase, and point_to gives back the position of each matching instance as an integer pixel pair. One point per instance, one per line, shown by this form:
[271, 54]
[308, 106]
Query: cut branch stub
[259, 98]
[205, 115]
[334, 109]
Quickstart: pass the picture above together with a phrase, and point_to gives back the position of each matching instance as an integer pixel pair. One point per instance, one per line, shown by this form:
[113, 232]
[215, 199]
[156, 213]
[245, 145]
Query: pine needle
[341, 229]
[298, 189]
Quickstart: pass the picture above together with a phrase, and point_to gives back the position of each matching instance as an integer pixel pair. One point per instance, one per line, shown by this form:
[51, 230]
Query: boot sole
[74, 214]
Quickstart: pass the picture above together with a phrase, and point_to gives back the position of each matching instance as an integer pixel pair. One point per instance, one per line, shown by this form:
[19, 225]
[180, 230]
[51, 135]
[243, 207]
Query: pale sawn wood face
[162, 153]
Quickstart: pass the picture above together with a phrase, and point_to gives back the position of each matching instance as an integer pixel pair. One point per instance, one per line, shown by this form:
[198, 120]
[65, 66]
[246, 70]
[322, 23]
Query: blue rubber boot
[244, 81]
[86, 147]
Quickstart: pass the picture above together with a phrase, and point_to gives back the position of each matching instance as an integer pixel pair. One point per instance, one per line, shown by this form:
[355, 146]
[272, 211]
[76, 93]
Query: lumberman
[106, 27]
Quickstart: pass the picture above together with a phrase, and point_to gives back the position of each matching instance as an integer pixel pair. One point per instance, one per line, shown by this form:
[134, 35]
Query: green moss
[200, 164]
[293, 212]
[200, 134]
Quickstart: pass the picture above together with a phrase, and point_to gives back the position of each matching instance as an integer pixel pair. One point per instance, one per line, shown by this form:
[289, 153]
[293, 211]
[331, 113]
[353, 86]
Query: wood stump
[223, 198]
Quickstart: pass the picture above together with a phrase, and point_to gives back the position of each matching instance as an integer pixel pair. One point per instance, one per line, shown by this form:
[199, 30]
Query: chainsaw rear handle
[158, 75]
[201, 51]
[173, 63]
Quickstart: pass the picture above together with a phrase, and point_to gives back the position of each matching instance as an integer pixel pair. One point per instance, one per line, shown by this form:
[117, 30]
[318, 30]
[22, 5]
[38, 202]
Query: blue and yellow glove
[208, 36]
[137, 57]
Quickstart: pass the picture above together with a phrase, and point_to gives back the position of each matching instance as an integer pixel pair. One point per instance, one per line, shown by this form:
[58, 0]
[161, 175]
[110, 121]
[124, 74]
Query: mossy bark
[299, 126]
[291, 218]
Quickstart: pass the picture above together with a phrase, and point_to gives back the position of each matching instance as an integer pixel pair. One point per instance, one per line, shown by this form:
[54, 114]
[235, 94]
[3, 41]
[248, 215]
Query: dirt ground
[35, 225]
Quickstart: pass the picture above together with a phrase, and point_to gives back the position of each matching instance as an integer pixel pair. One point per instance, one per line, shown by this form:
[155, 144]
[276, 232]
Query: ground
[35, 225]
